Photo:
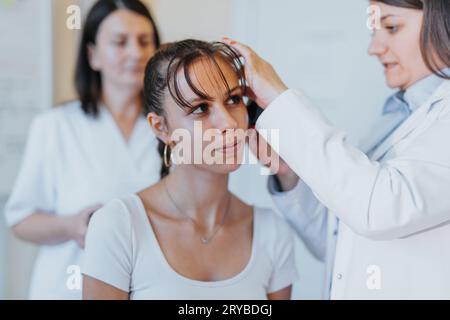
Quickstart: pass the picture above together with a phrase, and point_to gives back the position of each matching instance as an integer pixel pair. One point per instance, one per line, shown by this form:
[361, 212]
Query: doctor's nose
[377, 47]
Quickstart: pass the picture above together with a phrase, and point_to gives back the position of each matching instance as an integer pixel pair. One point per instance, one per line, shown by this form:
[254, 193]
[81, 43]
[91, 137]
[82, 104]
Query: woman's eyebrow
[238, 87]
[146, 34]
[387, 16]
[121, 34]
[197, 99]
[200, 99]
[118, 35]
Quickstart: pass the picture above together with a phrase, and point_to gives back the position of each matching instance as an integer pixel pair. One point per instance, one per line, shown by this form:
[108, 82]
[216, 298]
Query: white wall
[319, 46]
[25, 90]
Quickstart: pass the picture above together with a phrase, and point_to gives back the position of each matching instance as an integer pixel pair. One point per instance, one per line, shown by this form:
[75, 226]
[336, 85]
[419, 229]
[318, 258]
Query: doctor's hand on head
[264, 86]
[263, 82]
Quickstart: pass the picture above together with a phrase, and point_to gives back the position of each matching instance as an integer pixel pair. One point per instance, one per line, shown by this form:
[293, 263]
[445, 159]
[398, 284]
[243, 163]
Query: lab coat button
[335, 232]
[339, 276]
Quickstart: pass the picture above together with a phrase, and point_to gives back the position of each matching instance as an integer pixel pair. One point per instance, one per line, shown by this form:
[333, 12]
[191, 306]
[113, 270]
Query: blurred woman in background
[84, 153]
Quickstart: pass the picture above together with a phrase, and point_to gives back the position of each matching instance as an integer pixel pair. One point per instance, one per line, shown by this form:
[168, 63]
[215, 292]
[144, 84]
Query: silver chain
[204, 240]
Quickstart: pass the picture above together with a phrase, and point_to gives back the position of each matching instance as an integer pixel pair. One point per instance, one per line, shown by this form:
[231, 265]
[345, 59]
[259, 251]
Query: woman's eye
[200, 109]
[234, 100]
[119, 43]
[392, 29]
[146, 42]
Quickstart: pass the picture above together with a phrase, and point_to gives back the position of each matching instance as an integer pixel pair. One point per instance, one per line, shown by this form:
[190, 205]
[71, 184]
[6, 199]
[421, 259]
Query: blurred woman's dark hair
[435, 34]
[161, 75]
[88, 82]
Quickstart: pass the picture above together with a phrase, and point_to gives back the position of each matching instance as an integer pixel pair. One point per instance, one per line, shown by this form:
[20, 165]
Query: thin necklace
[205, 240]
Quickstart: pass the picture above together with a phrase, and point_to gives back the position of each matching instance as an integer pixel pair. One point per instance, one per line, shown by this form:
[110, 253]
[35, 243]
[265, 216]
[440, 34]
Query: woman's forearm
[44, 228]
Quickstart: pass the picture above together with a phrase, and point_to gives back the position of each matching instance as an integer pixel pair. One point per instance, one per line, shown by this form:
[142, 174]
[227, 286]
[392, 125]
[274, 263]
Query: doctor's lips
[389, 65]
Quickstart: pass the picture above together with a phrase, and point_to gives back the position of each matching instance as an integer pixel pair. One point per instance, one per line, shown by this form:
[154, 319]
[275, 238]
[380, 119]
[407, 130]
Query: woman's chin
[222, 168]
[227, 169]
[132, 82]
[393, 83]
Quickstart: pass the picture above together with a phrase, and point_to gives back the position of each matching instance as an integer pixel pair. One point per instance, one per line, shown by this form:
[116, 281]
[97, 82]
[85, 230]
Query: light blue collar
[416, 95]
[419, 92]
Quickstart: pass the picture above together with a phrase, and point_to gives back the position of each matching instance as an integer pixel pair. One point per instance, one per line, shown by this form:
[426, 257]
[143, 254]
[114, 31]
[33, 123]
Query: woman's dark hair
[161, 75]
[88, 82]
[435, 34]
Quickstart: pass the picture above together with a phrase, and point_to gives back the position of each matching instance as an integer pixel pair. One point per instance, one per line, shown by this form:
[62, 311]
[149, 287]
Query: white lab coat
[394, 208]
[73, 161]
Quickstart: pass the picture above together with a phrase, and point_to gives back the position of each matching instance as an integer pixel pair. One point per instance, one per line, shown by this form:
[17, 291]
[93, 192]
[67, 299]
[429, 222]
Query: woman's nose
[135, 50]
[377, 46]
[225, 119]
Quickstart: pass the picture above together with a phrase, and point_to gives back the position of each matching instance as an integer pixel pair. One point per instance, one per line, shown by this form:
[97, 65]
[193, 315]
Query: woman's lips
[229, 148]
[389, 66]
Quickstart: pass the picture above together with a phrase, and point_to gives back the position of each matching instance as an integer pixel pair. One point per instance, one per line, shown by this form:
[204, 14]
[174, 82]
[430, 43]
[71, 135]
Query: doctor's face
[125, 42]
[397, 45]
[217, 124]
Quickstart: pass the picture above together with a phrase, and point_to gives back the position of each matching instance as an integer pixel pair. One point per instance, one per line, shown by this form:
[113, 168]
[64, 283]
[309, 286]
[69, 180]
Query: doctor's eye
[392, 29]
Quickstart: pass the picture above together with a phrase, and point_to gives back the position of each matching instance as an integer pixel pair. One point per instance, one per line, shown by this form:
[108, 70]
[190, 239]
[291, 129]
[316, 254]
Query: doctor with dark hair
[377, 214]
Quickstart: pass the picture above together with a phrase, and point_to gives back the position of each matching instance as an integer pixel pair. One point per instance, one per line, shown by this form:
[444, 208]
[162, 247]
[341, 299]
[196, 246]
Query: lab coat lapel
[377, 132]
[412, 122]
[119, 150]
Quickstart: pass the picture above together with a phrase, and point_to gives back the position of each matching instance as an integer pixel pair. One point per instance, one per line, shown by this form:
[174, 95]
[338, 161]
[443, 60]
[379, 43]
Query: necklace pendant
[204, 240]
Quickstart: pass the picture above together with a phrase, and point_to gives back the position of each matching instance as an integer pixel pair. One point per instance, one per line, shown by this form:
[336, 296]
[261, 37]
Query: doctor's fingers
[242, 49]
[261, 77]
[89, 211]
[251, 58]
[264, 152]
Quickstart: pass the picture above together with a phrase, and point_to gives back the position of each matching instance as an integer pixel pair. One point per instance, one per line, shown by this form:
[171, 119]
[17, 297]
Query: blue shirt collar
[416, 95]
[419, 92]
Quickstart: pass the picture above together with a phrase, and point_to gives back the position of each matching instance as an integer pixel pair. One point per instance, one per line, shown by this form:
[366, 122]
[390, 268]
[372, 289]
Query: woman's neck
[202, 195]
[121, 102]
[125, 107]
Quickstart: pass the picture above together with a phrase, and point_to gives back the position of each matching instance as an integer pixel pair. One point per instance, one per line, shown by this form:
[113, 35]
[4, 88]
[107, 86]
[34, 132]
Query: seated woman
[188, 237]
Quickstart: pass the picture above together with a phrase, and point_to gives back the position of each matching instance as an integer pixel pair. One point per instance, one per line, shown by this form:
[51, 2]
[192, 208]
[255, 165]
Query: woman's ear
[92, 54]
[159, 126]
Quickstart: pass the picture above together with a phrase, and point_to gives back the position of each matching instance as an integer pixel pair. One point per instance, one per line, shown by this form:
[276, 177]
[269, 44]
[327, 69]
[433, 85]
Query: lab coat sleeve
[306, 215]
[405, 195]
[34, 188]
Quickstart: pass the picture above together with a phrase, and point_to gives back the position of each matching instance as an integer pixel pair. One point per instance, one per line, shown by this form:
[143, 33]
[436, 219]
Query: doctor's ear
[159, 126]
